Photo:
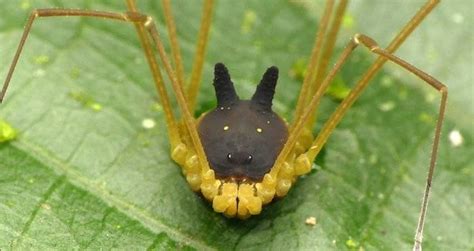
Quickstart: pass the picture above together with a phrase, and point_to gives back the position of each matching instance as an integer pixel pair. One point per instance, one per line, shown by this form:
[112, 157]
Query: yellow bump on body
[302, 165]
[283, 187]
[226, 128]
[194, 181]
[299, 149]
[192, 171]
[286, 171]
[249, 204]
[266, 189]
[226, 202]
[209, 185]
[306, 138]
[179, 153]
[192, 163]
[259, 130]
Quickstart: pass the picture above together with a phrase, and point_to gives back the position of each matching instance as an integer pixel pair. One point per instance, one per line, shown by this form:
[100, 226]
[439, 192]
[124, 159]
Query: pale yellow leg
[337, 116]
[170, 119]
[175, 49]
[201, 45]
[314, 59]
[300, 124]
[362, 84]
[178, 148]
[326, 56]
[209, 185]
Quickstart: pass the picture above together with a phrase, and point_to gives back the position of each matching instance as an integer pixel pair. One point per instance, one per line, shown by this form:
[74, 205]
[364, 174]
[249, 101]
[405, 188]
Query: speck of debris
[25, 4]
[148, 123]
[352, 244]
[298, 69]
[86, 101]
[456, 138]
[157, 107]
[248, 21]
[338, 90]
[387, 81]
[458, 18]
[95, 106]
[387, 106]
[430, 97]
[310, 221]
[46, 206]
[39, 73]
[348, 21]
[41, 59]
[425, 117]
[7, 132]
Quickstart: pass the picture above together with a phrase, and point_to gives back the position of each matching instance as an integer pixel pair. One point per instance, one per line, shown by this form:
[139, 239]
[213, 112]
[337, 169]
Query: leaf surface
[83, 173]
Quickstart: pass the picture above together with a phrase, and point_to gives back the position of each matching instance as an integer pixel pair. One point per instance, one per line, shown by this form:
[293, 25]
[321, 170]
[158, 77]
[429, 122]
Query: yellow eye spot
[259, 129]
[226, 128]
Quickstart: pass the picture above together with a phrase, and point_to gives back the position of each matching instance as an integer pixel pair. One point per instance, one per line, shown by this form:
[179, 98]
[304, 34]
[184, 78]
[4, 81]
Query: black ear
[224, 87]
[266, 89]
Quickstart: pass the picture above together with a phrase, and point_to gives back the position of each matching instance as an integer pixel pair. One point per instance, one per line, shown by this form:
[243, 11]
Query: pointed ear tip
[219, 65]
[273, 69]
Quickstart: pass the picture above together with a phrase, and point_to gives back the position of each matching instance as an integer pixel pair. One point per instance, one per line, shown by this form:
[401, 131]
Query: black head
[242, 138]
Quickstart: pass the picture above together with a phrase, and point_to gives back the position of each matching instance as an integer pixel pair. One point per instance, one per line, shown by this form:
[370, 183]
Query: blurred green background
[83, 172]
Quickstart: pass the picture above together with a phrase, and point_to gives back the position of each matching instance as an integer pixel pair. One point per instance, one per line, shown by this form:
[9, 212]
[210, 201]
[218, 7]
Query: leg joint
[366, 41]
[136, 17]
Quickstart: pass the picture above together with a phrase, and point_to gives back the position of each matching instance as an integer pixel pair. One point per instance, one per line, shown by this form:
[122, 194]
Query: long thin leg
[314, 59]
[206, 182]
[336, 117]
[187, 116]
[175, 50]
[396, 42]
[170, 119]
[147, 24]
[142, 20]
[323, 62]
[49, 13]
[299, 125]
[326, 55]
[362, 84]
[198, 63]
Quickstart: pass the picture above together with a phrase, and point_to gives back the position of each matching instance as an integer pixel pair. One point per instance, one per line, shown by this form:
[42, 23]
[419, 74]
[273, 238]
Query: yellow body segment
[242, 199]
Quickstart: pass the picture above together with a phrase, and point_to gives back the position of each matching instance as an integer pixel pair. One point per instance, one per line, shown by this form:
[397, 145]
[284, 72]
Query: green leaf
[88, 170]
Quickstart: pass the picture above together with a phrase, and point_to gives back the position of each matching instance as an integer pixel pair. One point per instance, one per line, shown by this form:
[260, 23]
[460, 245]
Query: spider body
[242, 138]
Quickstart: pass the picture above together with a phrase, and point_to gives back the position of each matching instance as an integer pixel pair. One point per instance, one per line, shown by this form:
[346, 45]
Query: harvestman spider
[216, 151]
